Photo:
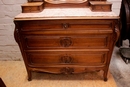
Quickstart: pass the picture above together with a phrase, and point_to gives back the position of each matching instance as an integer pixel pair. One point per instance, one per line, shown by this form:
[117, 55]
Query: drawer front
[31, 9]
[74, 57]
[66, 25]
[68, 70]
[66, 41]
[101, 8]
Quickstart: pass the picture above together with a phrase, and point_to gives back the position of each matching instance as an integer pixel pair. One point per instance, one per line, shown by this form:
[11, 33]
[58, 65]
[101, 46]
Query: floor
[119, 69]
[13, 74]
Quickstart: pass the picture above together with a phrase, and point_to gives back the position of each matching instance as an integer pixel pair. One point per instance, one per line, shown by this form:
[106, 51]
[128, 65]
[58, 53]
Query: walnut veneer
[66, 45]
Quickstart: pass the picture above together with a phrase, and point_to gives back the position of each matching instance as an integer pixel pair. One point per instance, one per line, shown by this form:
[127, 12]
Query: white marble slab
[66, 12]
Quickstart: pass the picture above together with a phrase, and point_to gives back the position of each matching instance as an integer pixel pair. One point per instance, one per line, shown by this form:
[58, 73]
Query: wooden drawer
[68, 70]
[64, 25]
[101, 6]
[67, 57]
[66, 41]
[62, 45]
[32, 7]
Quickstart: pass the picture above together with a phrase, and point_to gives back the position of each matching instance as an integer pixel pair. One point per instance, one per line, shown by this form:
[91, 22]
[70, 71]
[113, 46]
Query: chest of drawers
[66, 46]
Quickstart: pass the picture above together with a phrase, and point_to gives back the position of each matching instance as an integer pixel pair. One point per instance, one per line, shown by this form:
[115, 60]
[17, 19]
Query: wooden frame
[66, 44]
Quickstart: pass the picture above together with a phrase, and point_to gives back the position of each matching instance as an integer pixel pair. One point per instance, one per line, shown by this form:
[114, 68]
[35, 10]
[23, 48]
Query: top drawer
[65, 25]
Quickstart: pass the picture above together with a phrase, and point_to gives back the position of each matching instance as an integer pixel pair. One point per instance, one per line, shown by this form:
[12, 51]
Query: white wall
[116, 4]
[9, 49]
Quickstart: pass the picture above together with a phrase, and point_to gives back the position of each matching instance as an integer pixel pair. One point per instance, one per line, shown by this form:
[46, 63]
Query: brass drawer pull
[66, 42]
[30, 9]
[102, 8]
[67, 70]
[65, 26]
[66, 59]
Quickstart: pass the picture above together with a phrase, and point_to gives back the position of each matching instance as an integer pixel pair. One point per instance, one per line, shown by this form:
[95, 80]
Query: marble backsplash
[66, 12]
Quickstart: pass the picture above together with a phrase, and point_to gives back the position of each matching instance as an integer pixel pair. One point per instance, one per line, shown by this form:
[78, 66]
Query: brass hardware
[66, 59]
[65, 42]
[65, 26]
[67, 70]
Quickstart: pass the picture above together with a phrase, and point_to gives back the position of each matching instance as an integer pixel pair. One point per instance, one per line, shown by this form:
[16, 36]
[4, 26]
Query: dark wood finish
[100, 6]
[32, 7]
[66, 46]
[2, 83]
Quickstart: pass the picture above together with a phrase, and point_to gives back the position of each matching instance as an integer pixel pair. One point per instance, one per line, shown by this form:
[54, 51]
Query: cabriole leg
[105, 75]
[29, 75]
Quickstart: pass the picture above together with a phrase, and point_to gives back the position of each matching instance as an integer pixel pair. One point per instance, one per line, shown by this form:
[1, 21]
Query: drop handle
[67, 70]
[66, 59]
[65, 26]
[30, 9]
[66, 42]
[102, 8]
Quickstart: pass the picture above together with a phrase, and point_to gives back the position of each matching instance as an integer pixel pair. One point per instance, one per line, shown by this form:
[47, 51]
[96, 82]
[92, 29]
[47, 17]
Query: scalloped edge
[65, 1]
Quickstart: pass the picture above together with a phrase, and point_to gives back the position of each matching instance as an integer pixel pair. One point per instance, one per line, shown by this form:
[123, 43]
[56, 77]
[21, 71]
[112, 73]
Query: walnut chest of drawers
[66, 45]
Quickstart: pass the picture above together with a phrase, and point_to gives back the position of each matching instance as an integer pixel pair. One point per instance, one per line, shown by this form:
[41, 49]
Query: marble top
[65, 12]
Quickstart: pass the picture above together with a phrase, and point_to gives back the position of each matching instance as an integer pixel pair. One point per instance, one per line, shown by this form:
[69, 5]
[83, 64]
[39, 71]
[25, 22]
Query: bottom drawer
[76, 57]
[67, 70]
